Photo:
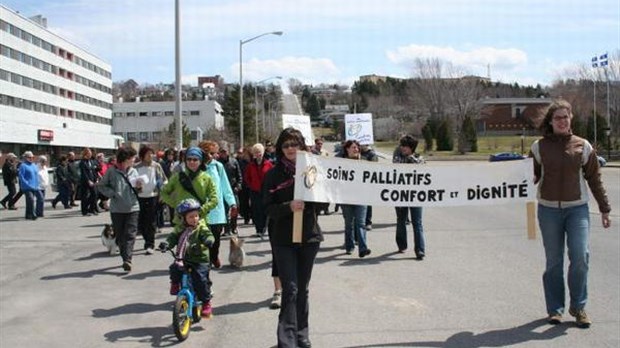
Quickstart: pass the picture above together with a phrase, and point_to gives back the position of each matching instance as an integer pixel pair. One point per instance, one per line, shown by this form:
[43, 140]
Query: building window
[156, 136]
[131, 136]
[169, 113]
[194, 113]
[131, 114]
[144, 136]
[143, 113]
[156, 113]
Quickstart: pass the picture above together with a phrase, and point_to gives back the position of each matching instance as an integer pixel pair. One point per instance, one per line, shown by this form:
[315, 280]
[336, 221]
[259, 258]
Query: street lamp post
[256, 102]
[608, 134]
[241, 43]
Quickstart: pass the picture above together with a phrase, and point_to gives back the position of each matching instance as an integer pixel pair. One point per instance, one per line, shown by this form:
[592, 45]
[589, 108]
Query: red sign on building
[45, 135]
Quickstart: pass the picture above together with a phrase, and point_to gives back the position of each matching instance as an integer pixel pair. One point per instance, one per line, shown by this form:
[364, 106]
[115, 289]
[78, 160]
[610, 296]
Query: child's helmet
[187, 205]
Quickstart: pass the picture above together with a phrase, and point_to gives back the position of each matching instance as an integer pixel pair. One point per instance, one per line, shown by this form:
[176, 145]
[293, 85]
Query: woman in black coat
[294, 261]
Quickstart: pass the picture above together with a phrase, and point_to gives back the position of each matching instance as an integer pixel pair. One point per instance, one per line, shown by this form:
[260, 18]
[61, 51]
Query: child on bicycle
[193, 240]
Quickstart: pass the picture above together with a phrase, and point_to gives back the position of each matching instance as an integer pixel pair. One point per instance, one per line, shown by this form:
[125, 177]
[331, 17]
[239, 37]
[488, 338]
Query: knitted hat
[194, 152]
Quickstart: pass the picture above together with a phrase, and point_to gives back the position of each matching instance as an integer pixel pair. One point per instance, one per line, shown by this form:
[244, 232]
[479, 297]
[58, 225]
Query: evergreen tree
[601, 136]
[468, 139]
[230, 113]
[444, 137]
[313, 107]
[428, 138]
[171, 134]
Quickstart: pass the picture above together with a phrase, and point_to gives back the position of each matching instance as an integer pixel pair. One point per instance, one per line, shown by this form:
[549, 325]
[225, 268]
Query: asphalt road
[479, 286]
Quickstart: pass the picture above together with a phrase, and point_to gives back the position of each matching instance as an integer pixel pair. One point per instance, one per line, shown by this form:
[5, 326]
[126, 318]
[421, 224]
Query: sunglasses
[192, 159]
[290, 144]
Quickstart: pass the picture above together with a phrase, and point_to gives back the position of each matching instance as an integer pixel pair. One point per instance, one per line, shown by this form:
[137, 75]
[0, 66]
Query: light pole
[256, 101]
[177, 81]
[241, 43]
[608, 134]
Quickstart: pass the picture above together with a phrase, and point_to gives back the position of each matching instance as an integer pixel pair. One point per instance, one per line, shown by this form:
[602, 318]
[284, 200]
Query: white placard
[359, 127]
[301, 123]
[347, 181]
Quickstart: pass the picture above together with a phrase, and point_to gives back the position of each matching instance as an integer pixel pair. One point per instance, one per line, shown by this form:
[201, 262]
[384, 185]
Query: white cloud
[306, 69]
[502, 59]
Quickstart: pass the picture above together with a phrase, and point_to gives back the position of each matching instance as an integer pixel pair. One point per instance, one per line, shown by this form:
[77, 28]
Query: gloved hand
[163, 246]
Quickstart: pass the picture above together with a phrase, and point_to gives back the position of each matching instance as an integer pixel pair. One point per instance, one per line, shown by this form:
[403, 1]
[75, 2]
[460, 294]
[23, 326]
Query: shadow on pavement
[97, 255]
[155, 336]
[494, 338]
[132, 308]
[144, 275]
[241, 307]
[249, 268]
[87, 274]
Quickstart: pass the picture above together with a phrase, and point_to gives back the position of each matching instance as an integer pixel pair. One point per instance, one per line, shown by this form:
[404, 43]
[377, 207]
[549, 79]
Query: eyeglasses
[290, 144]
[192, 159]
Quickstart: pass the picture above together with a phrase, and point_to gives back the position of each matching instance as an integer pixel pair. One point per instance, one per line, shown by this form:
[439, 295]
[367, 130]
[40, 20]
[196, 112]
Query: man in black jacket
[9, 176]
[63, 184]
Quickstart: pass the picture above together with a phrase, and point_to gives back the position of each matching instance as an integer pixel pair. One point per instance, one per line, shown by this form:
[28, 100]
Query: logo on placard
[310, 175]
[354, 129]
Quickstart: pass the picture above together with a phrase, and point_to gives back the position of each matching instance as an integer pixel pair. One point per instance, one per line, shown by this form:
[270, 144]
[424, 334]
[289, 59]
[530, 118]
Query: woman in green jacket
[193, 182]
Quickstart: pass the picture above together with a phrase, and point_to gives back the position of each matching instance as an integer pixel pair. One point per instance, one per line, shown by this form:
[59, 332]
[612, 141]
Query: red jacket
[255, 174]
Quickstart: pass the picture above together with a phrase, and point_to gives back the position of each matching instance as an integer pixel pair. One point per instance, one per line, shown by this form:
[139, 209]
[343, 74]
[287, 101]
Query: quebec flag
[595, 62]
[603, 60]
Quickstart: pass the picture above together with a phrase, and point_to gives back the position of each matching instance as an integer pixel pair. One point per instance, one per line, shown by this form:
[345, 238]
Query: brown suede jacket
[563, 164]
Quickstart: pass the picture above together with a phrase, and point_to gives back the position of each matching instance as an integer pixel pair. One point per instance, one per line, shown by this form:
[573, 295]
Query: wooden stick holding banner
[298, 220]
[531, 220]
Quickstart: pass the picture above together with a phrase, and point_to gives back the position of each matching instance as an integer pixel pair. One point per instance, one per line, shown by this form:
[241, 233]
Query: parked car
[601, 161]
[506, 156]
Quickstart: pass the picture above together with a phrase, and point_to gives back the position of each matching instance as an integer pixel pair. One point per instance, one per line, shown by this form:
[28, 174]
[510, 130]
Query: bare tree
[429, 85]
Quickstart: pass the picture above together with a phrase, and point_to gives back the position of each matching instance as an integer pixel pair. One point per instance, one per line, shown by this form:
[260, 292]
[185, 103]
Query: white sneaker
[276, 300]
[149, 251]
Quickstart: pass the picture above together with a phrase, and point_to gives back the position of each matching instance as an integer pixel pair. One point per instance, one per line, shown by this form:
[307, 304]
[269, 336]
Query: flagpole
[595, 110]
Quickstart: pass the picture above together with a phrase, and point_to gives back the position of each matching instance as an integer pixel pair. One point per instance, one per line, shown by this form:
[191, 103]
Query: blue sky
[524, 41]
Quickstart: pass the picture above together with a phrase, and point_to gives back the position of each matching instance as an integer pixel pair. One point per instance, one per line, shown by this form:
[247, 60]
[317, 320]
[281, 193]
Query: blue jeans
[354, 220]
[34, 201]
[401, 228]
[560, 227]
[39, 205]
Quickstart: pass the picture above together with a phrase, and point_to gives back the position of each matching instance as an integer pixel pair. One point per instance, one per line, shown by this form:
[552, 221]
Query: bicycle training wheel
[181, 323]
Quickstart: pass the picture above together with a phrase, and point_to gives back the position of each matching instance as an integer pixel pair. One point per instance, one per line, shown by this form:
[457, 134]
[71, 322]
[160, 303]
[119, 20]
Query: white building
[54, 96]
[147, 122]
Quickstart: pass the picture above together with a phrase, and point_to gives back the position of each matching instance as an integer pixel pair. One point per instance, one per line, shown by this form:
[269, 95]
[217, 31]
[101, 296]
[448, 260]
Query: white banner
[301, 123]
[339, 180]
[359, 127]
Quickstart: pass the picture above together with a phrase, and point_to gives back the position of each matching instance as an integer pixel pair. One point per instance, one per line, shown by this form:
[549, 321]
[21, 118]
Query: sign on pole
[359, 127]
[301, 123]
